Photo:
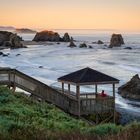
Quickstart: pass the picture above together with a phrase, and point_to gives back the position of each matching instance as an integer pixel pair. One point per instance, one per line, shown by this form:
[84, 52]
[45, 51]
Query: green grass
[24, 118]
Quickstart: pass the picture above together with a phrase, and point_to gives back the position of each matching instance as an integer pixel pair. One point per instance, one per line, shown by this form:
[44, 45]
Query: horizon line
[42, 28]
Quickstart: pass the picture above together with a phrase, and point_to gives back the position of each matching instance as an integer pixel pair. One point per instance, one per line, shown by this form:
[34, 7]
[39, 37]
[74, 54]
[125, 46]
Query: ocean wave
[130, 68]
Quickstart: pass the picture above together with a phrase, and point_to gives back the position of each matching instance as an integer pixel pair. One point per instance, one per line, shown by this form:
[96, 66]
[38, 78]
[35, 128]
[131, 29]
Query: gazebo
[87, 76]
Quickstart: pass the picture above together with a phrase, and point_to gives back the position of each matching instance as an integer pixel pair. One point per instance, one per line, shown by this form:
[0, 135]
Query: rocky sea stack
[131, 89]
[10, 40]
[71, 43]
[116, 40]
[51, 36]
[83, 45]
[66, 38]
[100, 42]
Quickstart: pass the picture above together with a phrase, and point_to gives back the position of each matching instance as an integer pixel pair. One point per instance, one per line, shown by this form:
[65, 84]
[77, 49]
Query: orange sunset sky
[71, 14]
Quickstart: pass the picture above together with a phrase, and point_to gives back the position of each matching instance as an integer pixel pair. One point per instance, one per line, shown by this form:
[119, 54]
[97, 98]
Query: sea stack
[47, 36]
[10, 40]
[116, 40]
[100, 42]
[15, 42]
[71, 43]
[51, 36]
[66, 37]
[83, 45]
[131, 89]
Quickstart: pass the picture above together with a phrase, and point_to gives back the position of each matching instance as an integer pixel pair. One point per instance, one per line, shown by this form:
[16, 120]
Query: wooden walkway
[64, 101]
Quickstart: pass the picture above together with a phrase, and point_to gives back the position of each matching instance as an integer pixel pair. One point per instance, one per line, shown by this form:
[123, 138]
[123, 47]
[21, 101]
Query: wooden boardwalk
[88, 105]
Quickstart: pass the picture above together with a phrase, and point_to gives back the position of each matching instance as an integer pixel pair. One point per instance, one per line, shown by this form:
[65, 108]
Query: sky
[71, 14]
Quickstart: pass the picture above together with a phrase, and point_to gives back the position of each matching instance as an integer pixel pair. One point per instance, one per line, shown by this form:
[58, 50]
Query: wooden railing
[38, 89]
[100, 105]
[49, 94]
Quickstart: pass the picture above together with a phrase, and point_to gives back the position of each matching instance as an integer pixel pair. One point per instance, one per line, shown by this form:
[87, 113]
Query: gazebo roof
[87, 76]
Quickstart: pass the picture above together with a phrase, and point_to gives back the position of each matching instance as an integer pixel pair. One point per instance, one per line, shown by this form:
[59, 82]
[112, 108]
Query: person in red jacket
[103, 94]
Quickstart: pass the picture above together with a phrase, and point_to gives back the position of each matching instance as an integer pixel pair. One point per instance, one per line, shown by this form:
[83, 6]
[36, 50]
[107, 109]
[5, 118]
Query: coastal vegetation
[21, 117]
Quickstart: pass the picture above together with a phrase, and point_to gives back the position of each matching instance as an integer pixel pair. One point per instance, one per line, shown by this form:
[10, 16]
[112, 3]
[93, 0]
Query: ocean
[58, 59]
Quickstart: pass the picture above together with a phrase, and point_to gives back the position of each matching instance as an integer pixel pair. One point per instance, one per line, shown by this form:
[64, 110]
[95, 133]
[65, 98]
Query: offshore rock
[116, 40]
[72, 43]
[10, 40]
[131, 89]
[15, 42]
[83, 45]
[100, 42]
[66, 38]
[47, 36]
[51, 36]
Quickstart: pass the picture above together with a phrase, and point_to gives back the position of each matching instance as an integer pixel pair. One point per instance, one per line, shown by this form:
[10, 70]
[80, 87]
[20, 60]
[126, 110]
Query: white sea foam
[130, 68]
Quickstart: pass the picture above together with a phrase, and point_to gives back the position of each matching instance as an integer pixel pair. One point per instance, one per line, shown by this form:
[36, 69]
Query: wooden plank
[114, 103]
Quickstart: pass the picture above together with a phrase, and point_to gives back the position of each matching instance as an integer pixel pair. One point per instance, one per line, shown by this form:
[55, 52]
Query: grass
[22, 118]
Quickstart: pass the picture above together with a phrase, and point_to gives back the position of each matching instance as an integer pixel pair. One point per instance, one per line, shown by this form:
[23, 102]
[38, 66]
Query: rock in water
[15, 42]
[100, 42]
[1, 53]
[8, 39]
[47, 36]
[5, 55]
[83, 45]
[4, 36]
[128, 48]
[18, 54]
[71, 43]
[131, 89]
[51, 36]
[116, 40]
[66, 37]
[40, 66]
[90, 47]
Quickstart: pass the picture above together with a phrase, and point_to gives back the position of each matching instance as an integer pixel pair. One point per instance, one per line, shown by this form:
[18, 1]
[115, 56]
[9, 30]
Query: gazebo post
[114, 102]
[62, 87]
[96, 89]
[69, 88]
[78, 97]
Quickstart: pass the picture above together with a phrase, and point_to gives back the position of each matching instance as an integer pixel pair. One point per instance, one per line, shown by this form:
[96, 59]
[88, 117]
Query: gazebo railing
[88, 96]
[73, 94]
[100, 105]
[92, 102]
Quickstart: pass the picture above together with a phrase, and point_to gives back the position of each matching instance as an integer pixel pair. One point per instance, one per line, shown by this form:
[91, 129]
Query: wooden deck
[88, 104]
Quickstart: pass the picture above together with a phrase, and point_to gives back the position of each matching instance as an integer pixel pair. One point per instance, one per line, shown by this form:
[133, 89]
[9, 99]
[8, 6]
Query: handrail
[38, 89]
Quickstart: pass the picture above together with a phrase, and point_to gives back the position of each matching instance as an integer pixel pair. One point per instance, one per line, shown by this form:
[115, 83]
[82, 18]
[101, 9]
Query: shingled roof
[87, 76]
